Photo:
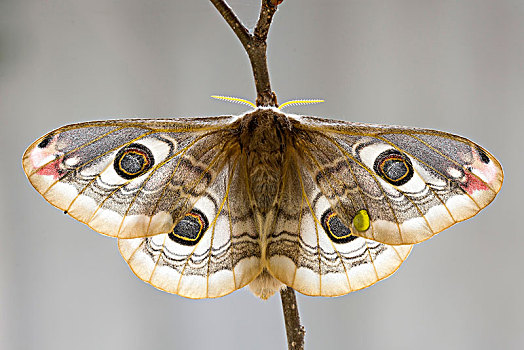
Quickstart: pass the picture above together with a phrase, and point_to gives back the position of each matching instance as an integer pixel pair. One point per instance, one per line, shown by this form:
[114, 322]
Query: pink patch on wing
[52, 168]
[473, 184]
[47, 159]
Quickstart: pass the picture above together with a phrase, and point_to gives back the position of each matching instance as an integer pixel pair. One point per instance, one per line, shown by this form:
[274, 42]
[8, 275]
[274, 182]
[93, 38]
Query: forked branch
[256, 46]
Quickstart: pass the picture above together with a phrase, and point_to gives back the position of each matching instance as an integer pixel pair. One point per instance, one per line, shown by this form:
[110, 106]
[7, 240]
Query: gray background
[448, 65]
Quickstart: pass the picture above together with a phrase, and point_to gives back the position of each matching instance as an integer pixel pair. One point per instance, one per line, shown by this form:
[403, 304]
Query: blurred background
[456, 66]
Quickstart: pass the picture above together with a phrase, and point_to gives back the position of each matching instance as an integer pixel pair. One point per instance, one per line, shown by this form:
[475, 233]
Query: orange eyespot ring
[133, 161]
[190, 230]
[335, 229]
[394, 167]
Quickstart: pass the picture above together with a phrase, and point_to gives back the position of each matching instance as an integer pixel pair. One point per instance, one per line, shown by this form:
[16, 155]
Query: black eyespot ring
[335, 229]
[394, 167]
[133, 161]
[190, 230]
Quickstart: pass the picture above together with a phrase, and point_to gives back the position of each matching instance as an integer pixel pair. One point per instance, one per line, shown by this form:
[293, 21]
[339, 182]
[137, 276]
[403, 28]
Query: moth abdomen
[263, 139]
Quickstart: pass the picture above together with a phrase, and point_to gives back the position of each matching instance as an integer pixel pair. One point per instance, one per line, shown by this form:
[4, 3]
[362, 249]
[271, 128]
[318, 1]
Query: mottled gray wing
[312, 251]
[130, 178]
[397, 185]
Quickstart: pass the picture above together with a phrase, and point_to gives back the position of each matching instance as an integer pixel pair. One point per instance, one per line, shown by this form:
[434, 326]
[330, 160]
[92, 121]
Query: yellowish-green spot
[361, 220]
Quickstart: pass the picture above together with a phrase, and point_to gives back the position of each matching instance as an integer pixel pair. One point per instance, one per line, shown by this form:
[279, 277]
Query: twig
[257, 55]
[233, 21]
[294, 330]
[256, 46]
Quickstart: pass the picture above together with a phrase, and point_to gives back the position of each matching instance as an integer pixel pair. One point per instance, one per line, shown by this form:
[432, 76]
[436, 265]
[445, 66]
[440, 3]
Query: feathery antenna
[281, 107]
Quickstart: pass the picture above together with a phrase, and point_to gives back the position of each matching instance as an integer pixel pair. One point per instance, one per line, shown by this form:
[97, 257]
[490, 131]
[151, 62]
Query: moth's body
[205, 206]
[264, 139]
[265, 142]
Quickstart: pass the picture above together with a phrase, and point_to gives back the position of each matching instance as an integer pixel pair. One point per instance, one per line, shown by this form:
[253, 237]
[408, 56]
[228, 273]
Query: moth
[204, 206]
